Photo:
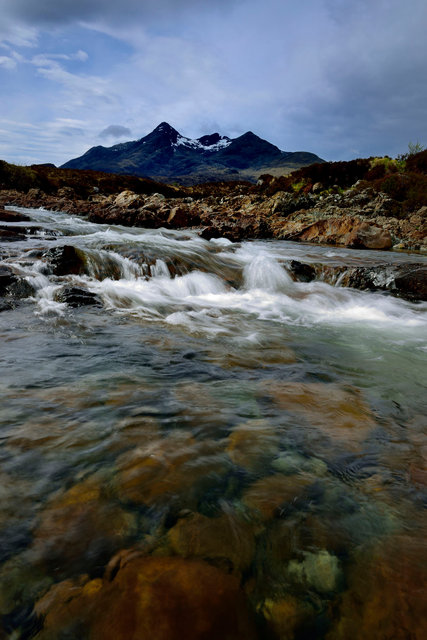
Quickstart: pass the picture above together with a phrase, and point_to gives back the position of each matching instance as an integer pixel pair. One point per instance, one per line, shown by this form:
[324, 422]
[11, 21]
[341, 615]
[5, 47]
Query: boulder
[13, 216]
[11, 235]
[80, 529]
[226, 540]
[148, 597]
[78, 297]
[65, 260]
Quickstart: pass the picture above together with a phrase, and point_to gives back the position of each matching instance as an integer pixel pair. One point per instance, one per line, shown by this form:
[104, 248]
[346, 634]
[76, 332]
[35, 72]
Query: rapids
[206, 389]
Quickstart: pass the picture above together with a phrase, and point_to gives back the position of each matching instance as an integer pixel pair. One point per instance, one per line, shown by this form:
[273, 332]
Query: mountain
[166, 155]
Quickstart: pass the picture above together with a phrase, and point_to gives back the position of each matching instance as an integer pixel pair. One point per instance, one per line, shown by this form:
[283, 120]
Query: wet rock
[65, 260]
[287, 616]
[176, 469]
[80, 529]
[407, 281]
[252, 445]
[13, 286]
[270, 496]
[78, 297]
[7, 277]
[336, 412]
[157, 598]
[20, 583]
[320, 571]
[385, 596]
[11, 235]
[228, 540]
[13, 216]
[302, 271]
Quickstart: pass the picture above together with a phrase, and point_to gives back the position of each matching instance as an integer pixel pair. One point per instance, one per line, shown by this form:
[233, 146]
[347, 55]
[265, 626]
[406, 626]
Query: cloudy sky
[340, 78]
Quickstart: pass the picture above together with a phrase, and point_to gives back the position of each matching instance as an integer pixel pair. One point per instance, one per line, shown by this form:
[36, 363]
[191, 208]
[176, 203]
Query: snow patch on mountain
[196, 144]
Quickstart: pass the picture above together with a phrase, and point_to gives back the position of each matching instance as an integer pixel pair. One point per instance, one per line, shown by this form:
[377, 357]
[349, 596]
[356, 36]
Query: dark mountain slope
[164, 154]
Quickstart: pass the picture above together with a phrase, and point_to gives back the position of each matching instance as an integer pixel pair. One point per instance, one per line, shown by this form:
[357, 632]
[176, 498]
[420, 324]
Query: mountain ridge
[164, 154]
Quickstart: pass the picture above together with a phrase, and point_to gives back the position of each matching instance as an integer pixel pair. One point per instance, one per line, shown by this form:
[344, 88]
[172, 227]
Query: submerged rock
[228, 541]
[80, 529]
[156, 598]
[320, 571]
[253, 444]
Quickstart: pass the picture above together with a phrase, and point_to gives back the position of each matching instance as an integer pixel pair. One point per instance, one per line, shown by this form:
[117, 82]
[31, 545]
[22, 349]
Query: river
[207, 406]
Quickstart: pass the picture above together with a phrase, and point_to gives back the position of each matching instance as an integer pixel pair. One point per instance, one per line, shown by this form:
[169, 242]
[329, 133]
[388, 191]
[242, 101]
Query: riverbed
[203, 406]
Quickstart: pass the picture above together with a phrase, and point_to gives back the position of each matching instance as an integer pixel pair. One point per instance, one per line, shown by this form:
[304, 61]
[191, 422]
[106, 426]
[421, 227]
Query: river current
[210, 407]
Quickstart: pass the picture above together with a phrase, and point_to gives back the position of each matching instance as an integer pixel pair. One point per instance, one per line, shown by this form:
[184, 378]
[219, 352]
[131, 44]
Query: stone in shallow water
[227, 540]
[173, 469]
[156, 598]
[320, 571]
[293, 462]
[252, 445]
[386, 592]
[285, 616]
[270, 496]
[339, 413]
[81, 529]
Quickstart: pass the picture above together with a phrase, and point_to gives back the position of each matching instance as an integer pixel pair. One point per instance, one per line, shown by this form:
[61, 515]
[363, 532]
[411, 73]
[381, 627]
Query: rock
[335, 412]
[367, 236]
[7, 277]
[11, 235]
[66, 192]
[227, 540]
[302, 271]
[13, 286]
[317, 187]
[270, 496]
[13, 216]
[80, 529]
[253, 444]
[156, 598]
[346, 231]
[127, 199]
[320, 571]
[407, 281]
[65, 260]
[20, 583]
[385, 596]
[287, 616]
[176, 470]
[78, 297]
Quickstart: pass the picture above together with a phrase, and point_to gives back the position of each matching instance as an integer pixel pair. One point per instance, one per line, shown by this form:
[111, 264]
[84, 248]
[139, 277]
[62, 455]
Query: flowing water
[208, 406]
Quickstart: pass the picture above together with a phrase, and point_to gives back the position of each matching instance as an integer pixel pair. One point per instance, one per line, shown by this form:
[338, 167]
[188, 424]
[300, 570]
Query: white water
[199, 296]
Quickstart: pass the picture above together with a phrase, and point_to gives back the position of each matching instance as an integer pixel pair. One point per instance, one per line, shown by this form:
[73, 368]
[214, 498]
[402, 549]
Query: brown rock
[367, 236]
[156, 598]
[338, 413]
[13, 216]
[227, 540]
[269, 496]
[253, 444]
[386, 593]
[81, 528]
[174, 468]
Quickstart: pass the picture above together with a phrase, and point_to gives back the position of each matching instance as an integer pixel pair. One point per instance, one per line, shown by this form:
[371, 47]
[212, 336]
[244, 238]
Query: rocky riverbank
[354, 218]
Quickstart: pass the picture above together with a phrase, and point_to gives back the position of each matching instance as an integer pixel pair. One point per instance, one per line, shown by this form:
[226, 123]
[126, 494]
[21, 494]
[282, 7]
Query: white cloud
[7, 63]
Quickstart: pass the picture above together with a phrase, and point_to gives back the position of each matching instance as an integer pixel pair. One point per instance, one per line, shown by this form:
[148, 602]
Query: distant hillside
[166, 155]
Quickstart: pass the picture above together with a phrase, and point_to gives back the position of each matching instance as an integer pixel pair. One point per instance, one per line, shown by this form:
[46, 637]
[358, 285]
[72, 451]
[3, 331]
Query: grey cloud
[115, 131]
[54, 12]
